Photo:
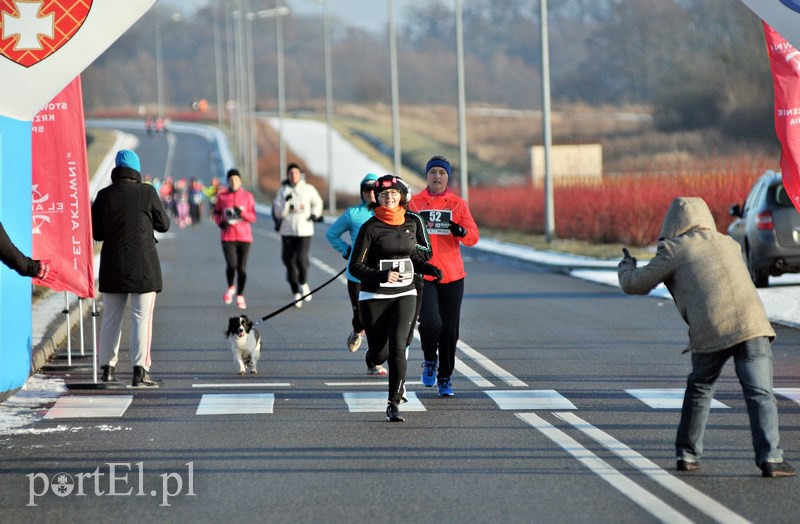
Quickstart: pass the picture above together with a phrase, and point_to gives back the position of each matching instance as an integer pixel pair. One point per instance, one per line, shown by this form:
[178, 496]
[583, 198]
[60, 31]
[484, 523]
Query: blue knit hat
[127, 158]
[438, 161]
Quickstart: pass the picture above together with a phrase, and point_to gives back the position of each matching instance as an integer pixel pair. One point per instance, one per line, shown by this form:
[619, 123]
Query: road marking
[520, 400]
[328, 269]
[490, 366]
[472, 375]
[236, 404]
[666, 398]
[375, 402]
[790, 393]
[90, 406]
[702, 502]
[646, 500]
[245, 385]
[382, 383]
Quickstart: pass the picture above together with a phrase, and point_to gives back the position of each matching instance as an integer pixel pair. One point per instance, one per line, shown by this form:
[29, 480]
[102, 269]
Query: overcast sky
[368, 14]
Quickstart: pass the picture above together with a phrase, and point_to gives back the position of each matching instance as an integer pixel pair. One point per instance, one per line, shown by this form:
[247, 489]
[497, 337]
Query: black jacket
[124, 217]
[13, 257]
[378, 241]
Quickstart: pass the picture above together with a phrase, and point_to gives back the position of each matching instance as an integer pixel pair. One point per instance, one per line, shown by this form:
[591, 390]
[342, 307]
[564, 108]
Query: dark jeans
[294, 252]
[387, 322]
[236, 263]
[753, 361]
[439, 319]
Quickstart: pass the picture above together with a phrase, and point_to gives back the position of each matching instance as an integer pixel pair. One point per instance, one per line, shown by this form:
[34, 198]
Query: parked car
[768, 229]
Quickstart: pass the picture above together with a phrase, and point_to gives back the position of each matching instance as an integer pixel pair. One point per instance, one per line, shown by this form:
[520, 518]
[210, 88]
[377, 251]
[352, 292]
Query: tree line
[697, 64]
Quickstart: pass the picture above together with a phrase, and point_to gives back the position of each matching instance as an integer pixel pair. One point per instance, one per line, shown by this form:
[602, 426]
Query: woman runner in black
[385, 259]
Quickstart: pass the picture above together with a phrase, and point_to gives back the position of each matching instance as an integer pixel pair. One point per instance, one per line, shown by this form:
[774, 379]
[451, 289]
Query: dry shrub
[624, 209]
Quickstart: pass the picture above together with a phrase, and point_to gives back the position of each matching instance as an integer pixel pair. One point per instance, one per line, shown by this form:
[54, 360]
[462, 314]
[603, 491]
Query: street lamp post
[281, 90]
[395, 90]
[462, 118]
[549, 219]
[326, 31]
[175, 17]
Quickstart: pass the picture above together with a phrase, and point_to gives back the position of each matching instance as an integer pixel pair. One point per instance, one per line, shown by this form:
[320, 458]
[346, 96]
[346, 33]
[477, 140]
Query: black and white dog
[245, 343]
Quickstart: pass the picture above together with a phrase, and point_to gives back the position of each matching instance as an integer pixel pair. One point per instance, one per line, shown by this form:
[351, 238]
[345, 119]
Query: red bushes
[625, 209]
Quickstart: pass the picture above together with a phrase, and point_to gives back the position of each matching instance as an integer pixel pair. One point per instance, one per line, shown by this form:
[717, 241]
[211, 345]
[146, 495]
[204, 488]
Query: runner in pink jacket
[234, 211]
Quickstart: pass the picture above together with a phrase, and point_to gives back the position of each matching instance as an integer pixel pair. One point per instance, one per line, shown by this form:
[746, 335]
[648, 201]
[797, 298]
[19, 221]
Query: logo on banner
[30, 31]
[794, 5]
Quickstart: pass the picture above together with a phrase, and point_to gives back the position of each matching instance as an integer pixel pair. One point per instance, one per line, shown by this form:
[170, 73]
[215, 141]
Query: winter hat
[127, 158]
[387, 182]
[368, 182]
[438, 161]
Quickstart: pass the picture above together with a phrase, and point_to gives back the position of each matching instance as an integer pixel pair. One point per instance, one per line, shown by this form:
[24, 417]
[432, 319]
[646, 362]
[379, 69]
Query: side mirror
[735, 211]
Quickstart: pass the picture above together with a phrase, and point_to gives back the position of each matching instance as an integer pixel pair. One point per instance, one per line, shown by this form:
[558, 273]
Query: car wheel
[759, 276]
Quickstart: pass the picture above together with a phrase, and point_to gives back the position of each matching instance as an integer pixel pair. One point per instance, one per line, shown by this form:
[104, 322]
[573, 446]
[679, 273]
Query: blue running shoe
[429, 373]
[445, 389]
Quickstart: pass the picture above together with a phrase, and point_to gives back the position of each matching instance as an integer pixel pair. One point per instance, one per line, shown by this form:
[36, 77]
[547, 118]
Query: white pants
[142, 305]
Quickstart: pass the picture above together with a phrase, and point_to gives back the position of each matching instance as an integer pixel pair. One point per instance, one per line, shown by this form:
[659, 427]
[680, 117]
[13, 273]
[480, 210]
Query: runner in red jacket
[450, 224]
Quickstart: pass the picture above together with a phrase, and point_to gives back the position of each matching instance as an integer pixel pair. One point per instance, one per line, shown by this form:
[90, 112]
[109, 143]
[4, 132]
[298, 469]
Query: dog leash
[293, 302]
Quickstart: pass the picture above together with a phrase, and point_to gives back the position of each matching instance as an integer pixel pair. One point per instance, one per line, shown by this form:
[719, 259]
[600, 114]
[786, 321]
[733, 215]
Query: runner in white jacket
[296, 207]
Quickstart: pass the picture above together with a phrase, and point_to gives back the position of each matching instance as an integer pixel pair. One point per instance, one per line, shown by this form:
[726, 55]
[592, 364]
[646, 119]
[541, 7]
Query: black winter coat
[13, 257]
[124, 217]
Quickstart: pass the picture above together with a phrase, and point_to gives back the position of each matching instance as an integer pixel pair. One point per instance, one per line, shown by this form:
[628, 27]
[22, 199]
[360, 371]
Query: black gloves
[222, 224]
[437, 274]
[346, 254]
[627, 260]
[457, 230]
[315, 218]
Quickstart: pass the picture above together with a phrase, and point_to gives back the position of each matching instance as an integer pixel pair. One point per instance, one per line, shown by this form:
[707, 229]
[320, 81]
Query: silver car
[768, 229]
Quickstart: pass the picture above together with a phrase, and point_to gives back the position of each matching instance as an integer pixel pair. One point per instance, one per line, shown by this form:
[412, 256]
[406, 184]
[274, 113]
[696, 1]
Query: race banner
[784, 62]
[782, 15]
[62, 218]
[44, 44]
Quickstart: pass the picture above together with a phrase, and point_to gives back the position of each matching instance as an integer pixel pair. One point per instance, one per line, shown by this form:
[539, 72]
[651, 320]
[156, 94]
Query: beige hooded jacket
[706, 275]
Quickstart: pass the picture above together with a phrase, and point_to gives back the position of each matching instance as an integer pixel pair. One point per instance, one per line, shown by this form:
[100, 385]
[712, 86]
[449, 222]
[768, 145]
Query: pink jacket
[238, 229]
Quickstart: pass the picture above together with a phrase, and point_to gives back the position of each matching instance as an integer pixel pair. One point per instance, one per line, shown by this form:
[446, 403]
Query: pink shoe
[240, 303]
[228, 296]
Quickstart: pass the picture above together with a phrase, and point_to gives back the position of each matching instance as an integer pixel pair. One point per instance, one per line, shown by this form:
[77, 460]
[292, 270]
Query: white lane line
[522, 400]
[375, 402]
[382, 383]
[236, 404]
[99, 406]
[790, 393]
[245, 385]
[472, 375]
[327, 269]
[490, 366]
[702, 502]
[666, 398]
[646, 500]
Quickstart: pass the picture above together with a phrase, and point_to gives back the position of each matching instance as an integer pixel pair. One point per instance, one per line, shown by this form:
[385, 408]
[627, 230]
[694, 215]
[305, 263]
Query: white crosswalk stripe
[375, 402]
[236, 404]
[666, 398]
[100, 406]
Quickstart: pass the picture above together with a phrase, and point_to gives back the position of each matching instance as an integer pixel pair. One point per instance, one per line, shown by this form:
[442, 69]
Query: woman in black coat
[125, 216]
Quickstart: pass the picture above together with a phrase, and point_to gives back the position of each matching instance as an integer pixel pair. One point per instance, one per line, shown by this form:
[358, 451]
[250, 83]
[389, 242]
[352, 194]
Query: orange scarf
[393, 217]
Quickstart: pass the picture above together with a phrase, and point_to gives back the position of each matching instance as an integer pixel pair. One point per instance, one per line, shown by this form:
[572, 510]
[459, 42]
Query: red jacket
[238, 229]
[446, 248]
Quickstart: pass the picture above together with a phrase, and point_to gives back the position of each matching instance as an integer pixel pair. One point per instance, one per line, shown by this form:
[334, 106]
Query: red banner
[784, 62]
[62, 218]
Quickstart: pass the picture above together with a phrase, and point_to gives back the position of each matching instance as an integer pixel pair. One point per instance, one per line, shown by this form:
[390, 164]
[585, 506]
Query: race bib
[232, 215]
[404, 266]
[437, 221]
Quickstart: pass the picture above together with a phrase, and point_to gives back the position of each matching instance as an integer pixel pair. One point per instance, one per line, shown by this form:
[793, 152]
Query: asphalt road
[544, 426]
